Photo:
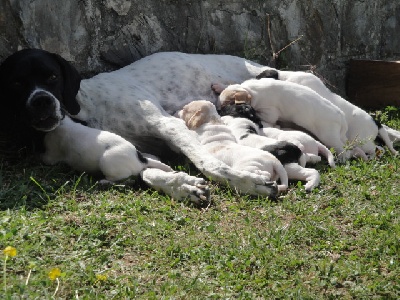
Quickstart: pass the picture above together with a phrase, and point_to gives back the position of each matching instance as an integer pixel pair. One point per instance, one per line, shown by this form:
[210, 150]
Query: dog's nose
[41, 101]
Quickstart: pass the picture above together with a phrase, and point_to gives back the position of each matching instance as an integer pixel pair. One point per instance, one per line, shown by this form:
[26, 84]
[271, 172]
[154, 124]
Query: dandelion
[101, 277]
[54, 274]
[8, 252]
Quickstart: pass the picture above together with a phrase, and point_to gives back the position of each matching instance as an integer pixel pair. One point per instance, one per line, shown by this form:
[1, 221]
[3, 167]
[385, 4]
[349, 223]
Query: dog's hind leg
[393, 134]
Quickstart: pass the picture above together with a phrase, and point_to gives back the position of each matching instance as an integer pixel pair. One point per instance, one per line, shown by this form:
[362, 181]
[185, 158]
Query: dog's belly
[170, 79]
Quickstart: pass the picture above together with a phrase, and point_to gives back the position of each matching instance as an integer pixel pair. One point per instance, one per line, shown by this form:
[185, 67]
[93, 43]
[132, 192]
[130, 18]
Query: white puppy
[276, 100]
[202, 117]
[362, 128]
[93, 150]
[247, 133]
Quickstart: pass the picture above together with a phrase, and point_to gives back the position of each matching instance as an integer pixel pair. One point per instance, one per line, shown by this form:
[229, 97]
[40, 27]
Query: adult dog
[202, 117]
[275, 100]
[135, 102]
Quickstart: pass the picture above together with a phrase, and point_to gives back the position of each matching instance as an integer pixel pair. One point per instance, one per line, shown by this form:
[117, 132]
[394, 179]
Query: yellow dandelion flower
[10, 251]
[54, 273]
[101, 277]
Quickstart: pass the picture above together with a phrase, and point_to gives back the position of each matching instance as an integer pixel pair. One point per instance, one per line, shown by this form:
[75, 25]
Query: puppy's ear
[242, 97]
[72, 81]
[228, 97]
[195, 120]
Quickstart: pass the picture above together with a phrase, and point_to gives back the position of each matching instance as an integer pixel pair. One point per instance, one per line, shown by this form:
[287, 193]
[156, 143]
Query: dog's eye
[16, 84]
[52, 78]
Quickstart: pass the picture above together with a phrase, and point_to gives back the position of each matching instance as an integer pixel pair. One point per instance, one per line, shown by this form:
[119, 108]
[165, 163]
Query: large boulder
[100, 35]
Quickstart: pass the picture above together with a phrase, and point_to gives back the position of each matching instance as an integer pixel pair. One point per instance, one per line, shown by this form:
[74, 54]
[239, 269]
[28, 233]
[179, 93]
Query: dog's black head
[241, 110]
[36, 86]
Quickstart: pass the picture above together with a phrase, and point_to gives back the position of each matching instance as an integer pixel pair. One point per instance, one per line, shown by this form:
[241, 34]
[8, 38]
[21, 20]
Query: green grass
[342, 241]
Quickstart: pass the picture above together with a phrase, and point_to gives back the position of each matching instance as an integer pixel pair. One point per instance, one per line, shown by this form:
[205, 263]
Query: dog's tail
[327, 153]
[283, 176]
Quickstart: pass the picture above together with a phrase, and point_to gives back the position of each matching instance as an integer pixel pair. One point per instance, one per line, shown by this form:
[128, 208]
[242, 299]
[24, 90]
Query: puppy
[362, 128]
[293, 159]
[92, 150]
[202, 117]
[285, 101]
[310, 146]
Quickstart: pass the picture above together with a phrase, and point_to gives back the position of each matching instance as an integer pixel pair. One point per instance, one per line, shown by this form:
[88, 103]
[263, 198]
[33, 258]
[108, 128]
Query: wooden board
[373, 84]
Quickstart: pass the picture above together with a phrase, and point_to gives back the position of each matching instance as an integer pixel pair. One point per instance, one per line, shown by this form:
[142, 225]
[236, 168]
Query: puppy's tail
[283, 176]
[384, 134]
[151, 161]
[327, 153]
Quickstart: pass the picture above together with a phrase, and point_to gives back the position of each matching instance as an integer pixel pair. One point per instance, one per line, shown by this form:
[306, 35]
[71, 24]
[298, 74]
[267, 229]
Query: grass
[342, 241]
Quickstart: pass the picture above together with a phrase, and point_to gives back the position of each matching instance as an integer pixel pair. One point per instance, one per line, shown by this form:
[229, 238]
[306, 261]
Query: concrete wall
[99, 35]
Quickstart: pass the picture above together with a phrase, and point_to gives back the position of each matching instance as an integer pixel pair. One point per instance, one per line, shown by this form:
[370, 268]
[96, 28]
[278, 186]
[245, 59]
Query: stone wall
[99, 35]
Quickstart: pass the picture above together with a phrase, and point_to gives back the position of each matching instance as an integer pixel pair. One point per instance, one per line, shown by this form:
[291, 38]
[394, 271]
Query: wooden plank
[373, 84]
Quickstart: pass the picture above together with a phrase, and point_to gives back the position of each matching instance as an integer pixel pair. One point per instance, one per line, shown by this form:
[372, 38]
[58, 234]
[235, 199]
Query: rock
[101, 35]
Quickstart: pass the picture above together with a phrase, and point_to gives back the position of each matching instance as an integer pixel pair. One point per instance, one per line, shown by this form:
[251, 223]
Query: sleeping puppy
[285, 101]
[362, 128]
[306, 143]
[92, 150]
[202, 117]
[293, 159]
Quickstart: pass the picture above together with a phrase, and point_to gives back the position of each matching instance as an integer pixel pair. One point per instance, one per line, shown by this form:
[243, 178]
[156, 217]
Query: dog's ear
[72, 81]
[242, 97]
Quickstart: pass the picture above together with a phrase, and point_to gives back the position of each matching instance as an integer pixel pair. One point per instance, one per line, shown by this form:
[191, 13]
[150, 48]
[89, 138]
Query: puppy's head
[234, 94]
[199, 112]
[241, 111]
[36, 87]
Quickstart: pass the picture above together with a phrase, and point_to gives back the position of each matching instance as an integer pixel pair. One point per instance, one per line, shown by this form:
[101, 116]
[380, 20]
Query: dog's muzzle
[44, 110]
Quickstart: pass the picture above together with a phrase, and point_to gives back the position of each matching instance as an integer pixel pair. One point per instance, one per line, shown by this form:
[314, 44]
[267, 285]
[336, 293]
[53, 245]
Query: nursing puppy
[202, 117]
[362, 128]
[92, 150]
[306, 143]
[292, 158]
[275, 100]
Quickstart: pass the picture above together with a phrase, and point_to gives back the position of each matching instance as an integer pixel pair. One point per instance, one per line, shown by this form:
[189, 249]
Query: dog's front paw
[179, 185]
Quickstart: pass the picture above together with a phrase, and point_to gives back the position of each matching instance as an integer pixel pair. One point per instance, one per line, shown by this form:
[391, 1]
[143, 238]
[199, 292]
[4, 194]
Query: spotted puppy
[310, 146]
[202, 117]
[92, 150]
[306, 143]
[293, 159]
